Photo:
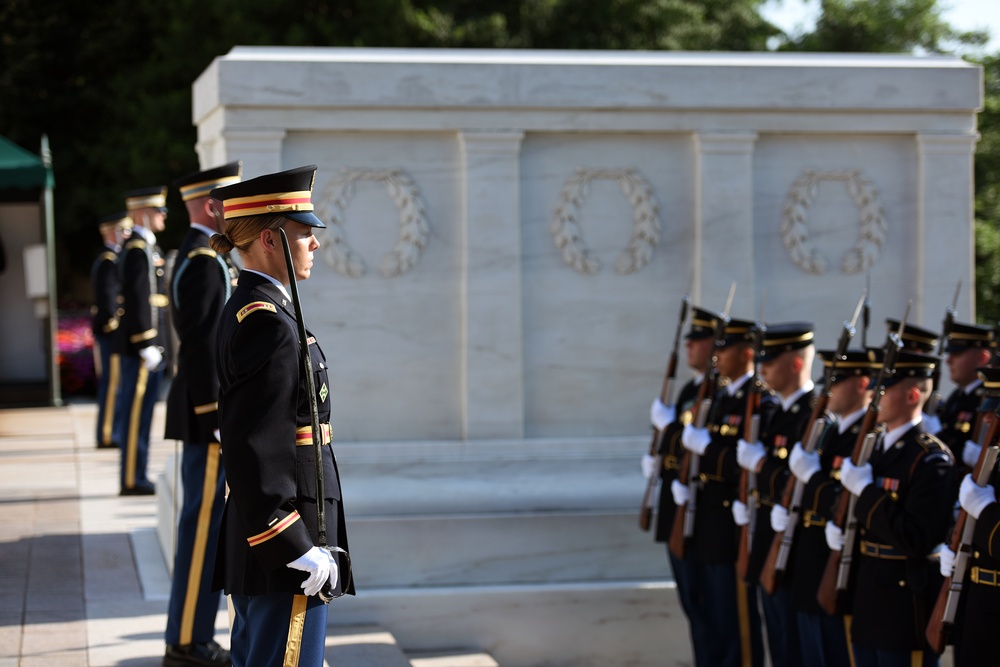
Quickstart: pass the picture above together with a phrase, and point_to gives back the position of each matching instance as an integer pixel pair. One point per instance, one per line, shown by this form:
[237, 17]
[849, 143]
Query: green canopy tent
[27, 178]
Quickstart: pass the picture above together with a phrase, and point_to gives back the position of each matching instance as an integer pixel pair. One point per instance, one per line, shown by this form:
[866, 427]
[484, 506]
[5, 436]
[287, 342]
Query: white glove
[740, 513]
[834, 536]
[975, 498]
[695, 439]
[803, 464]
[679, 492]
[970, 453]
[779, 519]
[660, 415]
[648, 464]
[749, 454]
[947, 561]
[217, 434]
[321, 567]
[855, 478]
[151, 357]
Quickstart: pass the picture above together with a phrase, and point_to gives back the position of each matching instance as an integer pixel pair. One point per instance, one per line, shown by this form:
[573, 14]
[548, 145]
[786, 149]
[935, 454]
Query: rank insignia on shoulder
[253, 308]
[323, 392]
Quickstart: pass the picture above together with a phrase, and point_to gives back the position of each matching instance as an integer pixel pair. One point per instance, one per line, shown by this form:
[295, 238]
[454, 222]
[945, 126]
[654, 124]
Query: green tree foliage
[988, 198]
[882, 26]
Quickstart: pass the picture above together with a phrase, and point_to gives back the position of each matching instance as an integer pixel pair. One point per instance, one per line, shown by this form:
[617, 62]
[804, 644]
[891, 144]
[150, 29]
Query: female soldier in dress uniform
[269, 559]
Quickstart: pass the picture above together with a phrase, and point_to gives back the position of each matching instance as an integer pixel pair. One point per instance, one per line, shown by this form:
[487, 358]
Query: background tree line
[110, 82]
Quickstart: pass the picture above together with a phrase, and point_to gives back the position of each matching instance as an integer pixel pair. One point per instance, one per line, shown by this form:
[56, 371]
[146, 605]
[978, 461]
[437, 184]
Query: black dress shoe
[108, 445]
[210, 654]
[141, 490]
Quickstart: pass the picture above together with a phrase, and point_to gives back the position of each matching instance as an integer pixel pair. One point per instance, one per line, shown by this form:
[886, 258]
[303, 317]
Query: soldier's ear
[267, 239]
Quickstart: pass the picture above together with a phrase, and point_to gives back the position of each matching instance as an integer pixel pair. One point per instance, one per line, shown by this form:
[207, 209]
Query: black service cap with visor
[285, 193]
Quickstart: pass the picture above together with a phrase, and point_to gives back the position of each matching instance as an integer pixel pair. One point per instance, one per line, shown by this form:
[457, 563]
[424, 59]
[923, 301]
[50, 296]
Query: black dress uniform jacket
[200, 285]
[958, 420]
[976, 644]
[143, 322]
[104, 279]
[809, 549]
[716, 533]
[901, 517]
[780, 430]
[672, 451]
[270, 517]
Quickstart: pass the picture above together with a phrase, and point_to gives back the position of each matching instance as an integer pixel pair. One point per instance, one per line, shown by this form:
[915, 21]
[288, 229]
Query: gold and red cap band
[278, 202]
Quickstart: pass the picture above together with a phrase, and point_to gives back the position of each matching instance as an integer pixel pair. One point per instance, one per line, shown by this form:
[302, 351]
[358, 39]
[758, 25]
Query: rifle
[666, 396]
[751, 432]
[949, 320]
[838, 567]
[683, 527]
[942, 619]
[327, 593]
[866, 311]
[791, 498]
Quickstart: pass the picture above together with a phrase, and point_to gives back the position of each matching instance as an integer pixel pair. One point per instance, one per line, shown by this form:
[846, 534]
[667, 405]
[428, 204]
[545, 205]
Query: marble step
[367, 645]
[452, 659]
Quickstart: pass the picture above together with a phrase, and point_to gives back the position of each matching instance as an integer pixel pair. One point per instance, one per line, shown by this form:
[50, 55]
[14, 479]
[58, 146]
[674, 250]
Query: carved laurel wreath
[414, 229]
[568, 235]
[795, 231]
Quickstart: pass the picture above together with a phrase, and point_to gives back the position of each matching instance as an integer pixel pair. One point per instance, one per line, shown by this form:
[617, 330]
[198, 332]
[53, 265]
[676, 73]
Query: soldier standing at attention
[903, 513]
[822, 637]
[269, 560]
[143, 334]
[730, 611]
[969, 347]
[200, 285]
[699, 343]
[104, 324]
[922, 340]
[786, 361]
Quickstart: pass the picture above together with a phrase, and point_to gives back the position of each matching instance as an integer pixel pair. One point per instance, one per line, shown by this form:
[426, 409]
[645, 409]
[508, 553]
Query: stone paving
[70, 590]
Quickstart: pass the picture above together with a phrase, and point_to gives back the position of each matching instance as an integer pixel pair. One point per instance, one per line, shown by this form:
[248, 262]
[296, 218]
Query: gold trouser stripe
[200, 541]
[293, 647]
[132, 448]
[848, 619]
[743, 611]
[114, 372]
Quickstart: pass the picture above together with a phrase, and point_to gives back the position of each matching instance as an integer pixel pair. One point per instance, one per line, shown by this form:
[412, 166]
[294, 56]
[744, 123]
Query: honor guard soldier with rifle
[902, 513]
[143, 338]
[274, 412]
[968, 607]
[104, 324]
[732, 617]
[823, 637]
[669, 421]
[785, 360]
[923, 340]
[200, 285]
[969, 347]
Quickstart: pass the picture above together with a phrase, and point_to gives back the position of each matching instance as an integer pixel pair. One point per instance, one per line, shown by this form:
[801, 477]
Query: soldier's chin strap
[326, 593]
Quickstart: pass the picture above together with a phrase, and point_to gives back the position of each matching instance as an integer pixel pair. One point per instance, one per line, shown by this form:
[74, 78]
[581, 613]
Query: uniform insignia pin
[323, 392]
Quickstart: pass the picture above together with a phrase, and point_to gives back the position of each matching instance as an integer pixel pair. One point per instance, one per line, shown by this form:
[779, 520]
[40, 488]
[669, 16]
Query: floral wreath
[795, 231]
[568, 236]
[414, 228]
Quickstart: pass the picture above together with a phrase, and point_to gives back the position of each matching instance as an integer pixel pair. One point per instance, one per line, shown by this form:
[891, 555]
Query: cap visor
[306, 218]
